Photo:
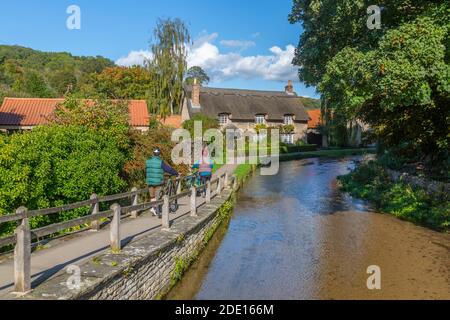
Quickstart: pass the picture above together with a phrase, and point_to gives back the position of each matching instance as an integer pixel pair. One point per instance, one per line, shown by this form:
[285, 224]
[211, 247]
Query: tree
[394, 79]
[120, 83]
[169, 65]
[331, 25]
[63, 81]
[108, 118]
[35, 85]
[30, 73]
[196, 73]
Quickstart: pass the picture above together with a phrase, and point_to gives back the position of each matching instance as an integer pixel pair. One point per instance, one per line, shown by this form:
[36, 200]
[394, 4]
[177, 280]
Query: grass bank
[371, 182]
[334, 153]
[243, 171]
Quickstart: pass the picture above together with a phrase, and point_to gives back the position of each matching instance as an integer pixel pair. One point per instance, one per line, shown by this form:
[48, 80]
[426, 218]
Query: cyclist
[204, 166]
[155, 169]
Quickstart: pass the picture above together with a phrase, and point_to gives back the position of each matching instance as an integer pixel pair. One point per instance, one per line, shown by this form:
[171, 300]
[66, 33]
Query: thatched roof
[246, 104]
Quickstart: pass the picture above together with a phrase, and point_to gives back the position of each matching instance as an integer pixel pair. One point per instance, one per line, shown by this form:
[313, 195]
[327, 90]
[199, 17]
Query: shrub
[370, 182]
[207, 123]
[287, 129]
[295, 149]
[109, 118]
[56, 165]
[142, 149]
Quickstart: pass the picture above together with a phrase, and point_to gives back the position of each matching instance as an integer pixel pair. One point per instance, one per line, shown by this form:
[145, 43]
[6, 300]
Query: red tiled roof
[315, 118]
[36, 111]
[139, 116]
[174, 121]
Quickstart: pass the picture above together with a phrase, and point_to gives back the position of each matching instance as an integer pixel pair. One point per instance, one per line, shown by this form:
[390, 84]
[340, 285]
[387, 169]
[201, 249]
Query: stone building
[245, 109]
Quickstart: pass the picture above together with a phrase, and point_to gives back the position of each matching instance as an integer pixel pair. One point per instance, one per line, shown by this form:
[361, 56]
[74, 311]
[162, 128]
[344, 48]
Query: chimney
[289, 88]
[196, 93]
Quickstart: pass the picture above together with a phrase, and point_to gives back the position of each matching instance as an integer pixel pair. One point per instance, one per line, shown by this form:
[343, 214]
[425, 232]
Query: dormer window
[288, 119]
[260, 119]
[224, 119]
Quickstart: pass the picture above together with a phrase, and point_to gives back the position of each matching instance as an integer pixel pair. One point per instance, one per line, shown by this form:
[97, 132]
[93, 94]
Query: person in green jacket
[155, 169]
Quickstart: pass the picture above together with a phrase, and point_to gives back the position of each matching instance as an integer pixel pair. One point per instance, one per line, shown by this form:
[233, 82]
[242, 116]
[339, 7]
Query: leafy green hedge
[295, 149]
[370, 182]
[55, 165]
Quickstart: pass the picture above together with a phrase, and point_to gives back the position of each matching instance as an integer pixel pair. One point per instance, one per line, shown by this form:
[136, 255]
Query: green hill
[26, 72]
[310, 103]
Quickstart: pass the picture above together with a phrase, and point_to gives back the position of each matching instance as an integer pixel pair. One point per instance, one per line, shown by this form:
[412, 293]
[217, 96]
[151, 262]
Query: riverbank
[372, 182]
[332, 153]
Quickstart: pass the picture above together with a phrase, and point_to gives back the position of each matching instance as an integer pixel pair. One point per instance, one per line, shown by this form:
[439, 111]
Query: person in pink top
[205, 167]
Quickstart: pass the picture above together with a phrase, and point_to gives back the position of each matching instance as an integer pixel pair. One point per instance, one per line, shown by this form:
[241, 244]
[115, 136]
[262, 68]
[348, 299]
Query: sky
[245, 44]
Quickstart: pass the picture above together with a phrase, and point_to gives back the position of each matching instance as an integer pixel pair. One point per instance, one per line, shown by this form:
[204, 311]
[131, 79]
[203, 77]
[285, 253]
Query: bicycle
[170, 189]
[194, 180]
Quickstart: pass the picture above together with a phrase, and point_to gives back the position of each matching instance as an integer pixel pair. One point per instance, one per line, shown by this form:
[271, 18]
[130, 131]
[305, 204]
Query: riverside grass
[370, 182]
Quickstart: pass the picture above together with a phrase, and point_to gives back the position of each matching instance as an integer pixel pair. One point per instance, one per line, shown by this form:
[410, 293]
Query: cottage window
[287, 138]
[288, 120]
[260, 119]
[224, 119]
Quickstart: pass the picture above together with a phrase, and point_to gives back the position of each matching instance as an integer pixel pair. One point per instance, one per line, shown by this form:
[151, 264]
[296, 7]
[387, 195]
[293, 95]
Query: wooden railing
[23, 235]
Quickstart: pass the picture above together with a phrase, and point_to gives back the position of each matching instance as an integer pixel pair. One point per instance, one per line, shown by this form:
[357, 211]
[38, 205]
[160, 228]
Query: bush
[56, 165]
[142, 149]
[370, 182]
[107, 117]
[207, 123]
[295, 149]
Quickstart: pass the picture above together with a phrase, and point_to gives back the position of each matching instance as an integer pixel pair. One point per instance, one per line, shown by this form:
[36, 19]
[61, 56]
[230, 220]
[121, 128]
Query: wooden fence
[23, 235]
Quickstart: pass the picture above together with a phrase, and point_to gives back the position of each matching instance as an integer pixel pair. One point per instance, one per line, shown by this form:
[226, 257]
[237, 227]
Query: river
[296, 236]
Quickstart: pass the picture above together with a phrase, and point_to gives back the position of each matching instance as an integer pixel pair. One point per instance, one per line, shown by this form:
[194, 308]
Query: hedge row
[296, 149]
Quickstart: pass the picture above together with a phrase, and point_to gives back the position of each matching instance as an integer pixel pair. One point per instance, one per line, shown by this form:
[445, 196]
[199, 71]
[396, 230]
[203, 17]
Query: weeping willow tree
[169, 65]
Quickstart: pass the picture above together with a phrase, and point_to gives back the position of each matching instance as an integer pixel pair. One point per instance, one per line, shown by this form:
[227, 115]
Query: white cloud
[238, 44]
[276, 65]
[205, 37]
[135, 58]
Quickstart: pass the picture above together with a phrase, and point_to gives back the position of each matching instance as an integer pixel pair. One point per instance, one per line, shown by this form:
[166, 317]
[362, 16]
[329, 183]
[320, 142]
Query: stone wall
[433, 188]
[144, 268]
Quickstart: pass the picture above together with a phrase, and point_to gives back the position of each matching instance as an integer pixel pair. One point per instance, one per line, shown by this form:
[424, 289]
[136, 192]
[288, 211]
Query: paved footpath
[77, 248]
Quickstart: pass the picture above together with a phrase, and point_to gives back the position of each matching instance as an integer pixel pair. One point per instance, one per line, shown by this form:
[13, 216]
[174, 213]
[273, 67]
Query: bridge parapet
[23, 237]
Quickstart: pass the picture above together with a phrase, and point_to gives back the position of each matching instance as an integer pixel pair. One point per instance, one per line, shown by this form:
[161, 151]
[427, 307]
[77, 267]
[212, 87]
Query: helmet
[156, 152]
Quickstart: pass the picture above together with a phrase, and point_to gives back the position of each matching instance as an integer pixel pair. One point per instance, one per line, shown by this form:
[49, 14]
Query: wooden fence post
[95, 225]
[208, 191]
[226, 183]
[165, 213]
[115, 229]
[219, 186]
[193, 201]
[179, 186]
[22, 255]
[135, 202]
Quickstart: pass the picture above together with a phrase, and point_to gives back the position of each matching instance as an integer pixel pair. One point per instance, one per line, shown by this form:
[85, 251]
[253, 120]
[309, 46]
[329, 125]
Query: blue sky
[241, 44]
